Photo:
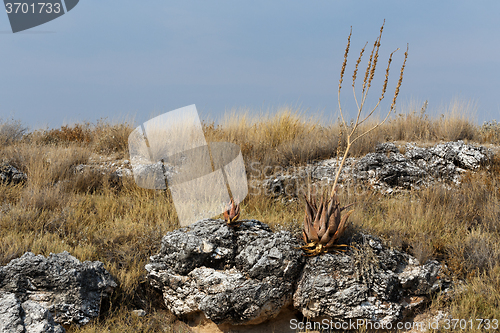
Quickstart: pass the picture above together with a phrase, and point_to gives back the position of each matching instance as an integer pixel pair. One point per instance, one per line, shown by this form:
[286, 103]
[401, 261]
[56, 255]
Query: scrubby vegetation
[89, 215]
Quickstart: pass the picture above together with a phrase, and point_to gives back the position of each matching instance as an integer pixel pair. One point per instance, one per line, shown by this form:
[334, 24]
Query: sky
[128, 60]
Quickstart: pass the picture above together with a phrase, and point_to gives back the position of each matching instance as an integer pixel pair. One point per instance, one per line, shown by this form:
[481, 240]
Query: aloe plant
[323, 224]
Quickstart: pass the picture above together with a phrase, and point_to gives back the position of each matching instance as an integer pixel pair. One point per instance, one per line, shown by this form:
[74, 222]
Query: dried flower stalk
[369, 74]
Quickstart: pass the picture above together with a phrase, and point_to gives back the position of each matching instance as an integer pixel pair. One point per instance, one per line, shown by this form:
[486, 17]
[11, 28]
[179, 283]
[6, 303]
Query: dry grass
[454, 123]
[11, 131]
[102, 137]
[59, 209]
[284, 138]
[458, 224]
[123, 321]
[480, 300]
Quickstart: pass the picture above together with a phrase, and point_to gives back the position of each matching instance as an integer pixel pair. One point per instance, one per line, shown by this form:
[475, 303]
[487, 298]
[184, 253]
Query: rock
[291, 183]
[235, 276]
[139, 313]
[421, 280]
[282, 185]
[460, 154]
[122, 172]
[11, 175]
[447, 159]
[386, 147]
[27, 317]
[70, 290]
[10, 313]
[118, 169]
[371, 282]
[393, 170]
[387, 169]
[152, 175]
[38, 319]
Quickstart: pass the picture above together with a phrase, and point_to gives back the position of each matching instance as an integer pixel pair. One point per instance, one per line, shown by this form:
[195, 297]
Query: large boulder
[368, 282]
[236, 276]
[70, 290]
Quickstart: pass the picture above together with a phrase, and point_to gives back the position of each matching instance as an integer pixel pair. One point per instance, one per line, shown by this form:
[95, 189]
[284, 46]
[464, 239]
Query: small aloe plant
[232, 214]
[323, 224]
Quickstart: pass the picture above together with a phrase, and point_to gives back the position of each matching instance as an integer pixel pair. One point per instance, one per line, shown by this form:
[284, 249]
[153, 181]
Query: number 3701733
[34, 8]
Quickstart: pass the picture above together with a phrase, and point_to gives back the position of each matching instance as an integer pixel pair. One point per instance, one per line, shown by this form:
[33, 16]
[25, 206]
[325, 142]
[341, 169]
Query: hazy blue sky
[125, 58]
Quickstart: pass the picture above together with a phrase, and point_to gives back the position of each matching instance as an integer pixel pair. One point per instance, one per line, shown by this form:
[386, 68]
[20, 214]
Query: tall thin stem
[367, 81]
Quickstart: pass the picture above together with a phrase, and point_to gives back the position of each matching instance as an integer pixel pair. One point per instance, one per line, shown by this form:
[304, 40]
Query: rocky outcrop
[244, 275]
[369, 282]
[115, 168]
[11, 175]
[59, 288]
[387, 169]
[444, 162]
[248, 275]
